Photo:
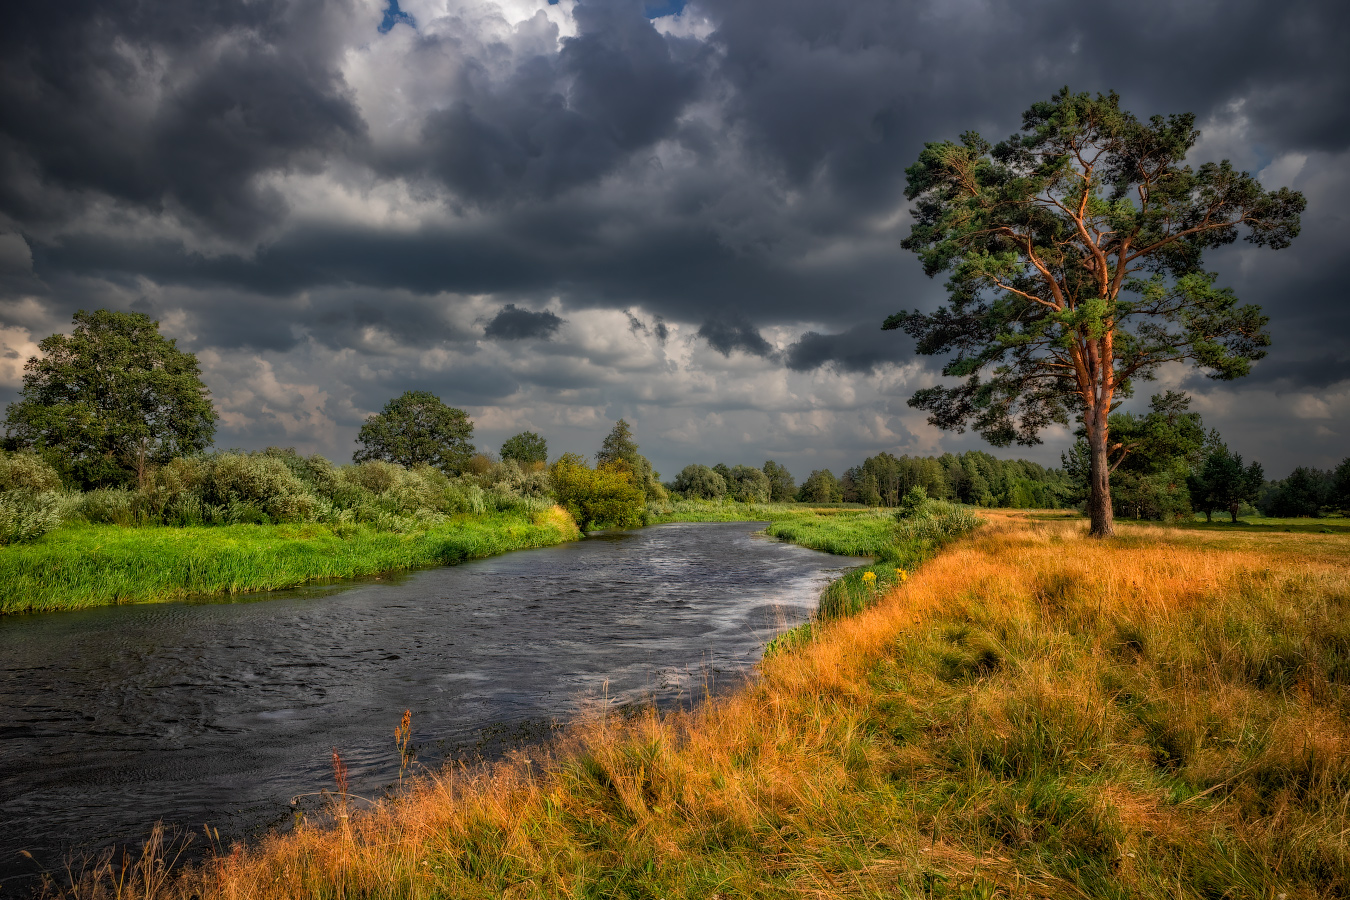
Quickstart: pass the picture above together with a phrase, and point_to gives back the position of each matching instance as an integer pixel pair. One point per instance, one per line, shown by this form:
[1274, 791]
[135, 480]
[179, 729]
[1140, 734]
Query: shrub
[113, 506]
[27, 472]
[243, 483]
[603, 497]
[26, 515]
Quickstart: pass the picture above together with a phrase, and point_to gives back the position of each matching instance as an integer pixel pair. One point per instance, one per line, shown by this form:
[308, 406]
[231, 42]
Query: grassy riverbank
[1031, 714]
[95, 565]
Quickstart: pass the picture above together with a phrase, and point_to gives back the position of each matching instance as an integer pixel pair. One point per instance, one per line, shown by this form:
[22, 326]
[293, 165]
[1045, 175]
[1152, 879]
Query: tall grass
[81, 566]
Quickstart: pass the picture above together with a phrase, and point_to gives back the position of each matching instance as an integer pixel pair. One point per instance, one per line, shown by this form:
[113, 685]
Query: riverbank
[81, 566]
[1031, 714]
[96, 565]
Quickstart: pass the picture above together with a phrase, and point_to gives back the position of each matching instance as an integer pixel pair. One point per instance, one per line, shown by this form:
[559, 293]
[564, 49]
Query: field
[1030, 714]
[95, 565]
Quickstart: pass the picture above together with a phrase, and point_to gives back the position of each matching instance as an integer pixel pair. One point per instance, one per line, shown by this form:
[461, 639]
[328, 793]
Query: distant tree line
[974, 477]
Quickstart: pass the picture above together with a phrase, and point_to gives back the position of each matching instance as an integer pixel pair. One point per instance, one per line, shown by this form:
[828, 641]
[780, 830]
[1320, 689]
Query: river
[220, 712]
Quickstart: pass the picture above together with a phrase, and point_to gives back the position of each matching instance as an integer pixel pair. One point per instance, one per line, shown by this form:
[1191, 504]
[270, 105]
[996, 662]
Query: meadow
[1029, 714]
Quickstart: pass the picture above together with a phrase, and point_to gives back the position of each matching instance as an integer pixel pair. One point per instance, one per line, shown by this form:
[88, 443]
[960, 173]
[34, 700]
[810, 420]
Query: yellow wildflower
[870, 578]
[902, 574]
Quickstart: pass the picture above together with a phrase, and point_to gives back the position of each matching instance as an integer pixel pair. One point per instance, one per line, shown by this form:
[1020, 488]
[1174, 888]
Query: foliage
[1223, 482]
[603, 497]
[748, 485]
[820, 487]
[1154, 455]
[974, 478]
[619, 449]
[27, 515]
[1304, 493]
[26, 471]
[111, 400]
[1340, 487]
[782, 488]
[698, 482]
[526, 448]
[416, 428]
[1074, 251]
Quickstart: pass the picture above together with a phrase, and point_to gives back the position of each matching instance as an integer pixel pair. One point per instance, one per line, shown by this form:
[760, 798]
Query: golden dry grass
[1033, 714]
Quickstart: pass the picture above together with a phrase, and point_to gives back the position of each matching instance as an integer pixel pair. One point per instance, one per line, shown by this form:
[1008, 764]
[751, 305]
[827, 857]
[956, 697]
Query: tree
[1303, 493]
[619, 448]
[111, 400]
[748, 485]
[1075, 251]
[1340, 487]
[700, 482]
[415, 429]
[1152, 458]
[782, 487]
[820, 487]
[1222, 482]
[526, 448]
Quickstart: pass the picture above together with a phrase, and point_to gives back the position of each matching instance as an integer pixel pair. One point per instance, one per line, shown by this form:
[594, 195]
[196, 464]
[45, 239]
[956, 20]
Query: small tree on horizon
[526, 448]
[782, 486]
[1223, 482]
[619, 448]
[1075, 251]
[415, 429]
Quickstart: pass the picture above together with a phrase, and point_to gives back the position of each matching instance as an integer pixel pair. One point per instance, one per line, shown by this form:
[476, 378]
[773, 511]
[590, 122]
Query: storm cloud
[690, 218]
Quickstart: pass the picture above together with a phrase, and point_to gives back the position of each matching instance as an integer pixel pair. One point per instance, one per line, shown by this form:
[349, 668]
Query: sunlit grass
[95, 565]
[1030, 714]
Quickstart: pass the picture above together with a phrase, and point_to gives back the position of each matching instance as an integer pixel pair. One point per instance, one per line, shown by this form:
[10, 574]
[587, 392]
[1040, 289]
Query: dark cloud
[561, 121]
[859, 349]
[726, 335]
[150, 151]
[166, 106]
[515, 324]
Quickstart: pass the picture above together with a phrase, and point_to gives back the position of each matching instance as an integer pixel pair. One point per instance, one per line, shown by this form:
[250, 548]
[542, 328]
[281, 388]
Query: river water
[222, 712]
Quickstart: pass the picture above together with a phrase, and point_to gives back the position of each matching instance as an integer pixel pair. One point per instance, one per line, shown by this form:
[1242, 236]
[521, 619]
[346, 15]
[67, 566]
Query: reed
[1029, 714]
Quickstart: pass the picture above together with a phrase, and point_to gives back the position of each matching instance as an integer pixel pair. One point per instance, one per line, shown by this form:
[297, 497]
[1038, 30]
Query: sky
[554, 215]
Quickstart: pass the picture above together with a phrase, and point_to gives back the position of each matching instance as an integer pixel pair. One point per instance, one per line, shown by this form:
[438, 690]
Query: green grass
[98, 565]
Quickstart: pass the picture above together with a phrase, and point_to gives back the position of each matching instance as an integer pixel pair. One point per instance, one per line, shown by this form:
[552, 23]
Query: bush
[113, 506]
[27, 515]
[27, 472]
[603, 497]
[245, 483]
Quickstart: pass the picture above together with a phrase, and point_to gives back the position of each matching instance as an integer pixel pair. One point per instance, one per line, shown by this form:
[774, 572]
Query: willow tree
[1074, 250]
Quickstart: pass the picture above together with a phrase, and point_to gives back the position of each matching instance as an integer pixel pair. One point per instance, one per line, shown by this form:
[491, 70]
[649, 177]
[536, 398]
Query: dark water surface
[220, 713]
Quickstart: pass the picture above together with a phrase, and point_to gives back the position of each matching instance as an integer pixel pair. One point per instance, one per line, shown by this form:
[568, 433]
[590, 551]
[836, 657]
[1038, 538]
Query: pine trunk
[1099, 475]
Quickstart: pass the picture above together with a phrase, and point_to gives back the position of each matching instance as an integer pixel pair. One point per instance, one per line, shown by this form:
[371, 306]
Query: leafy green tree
[1074, 251]
[1340, 487]
[748, 485]
[526, 448]
[1151, 459]
[782, 486]
[111, 400]
[415, 429]
[1223, 482]
[619, 447]
[700, 482]
[1303, 493]
[820, 487]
